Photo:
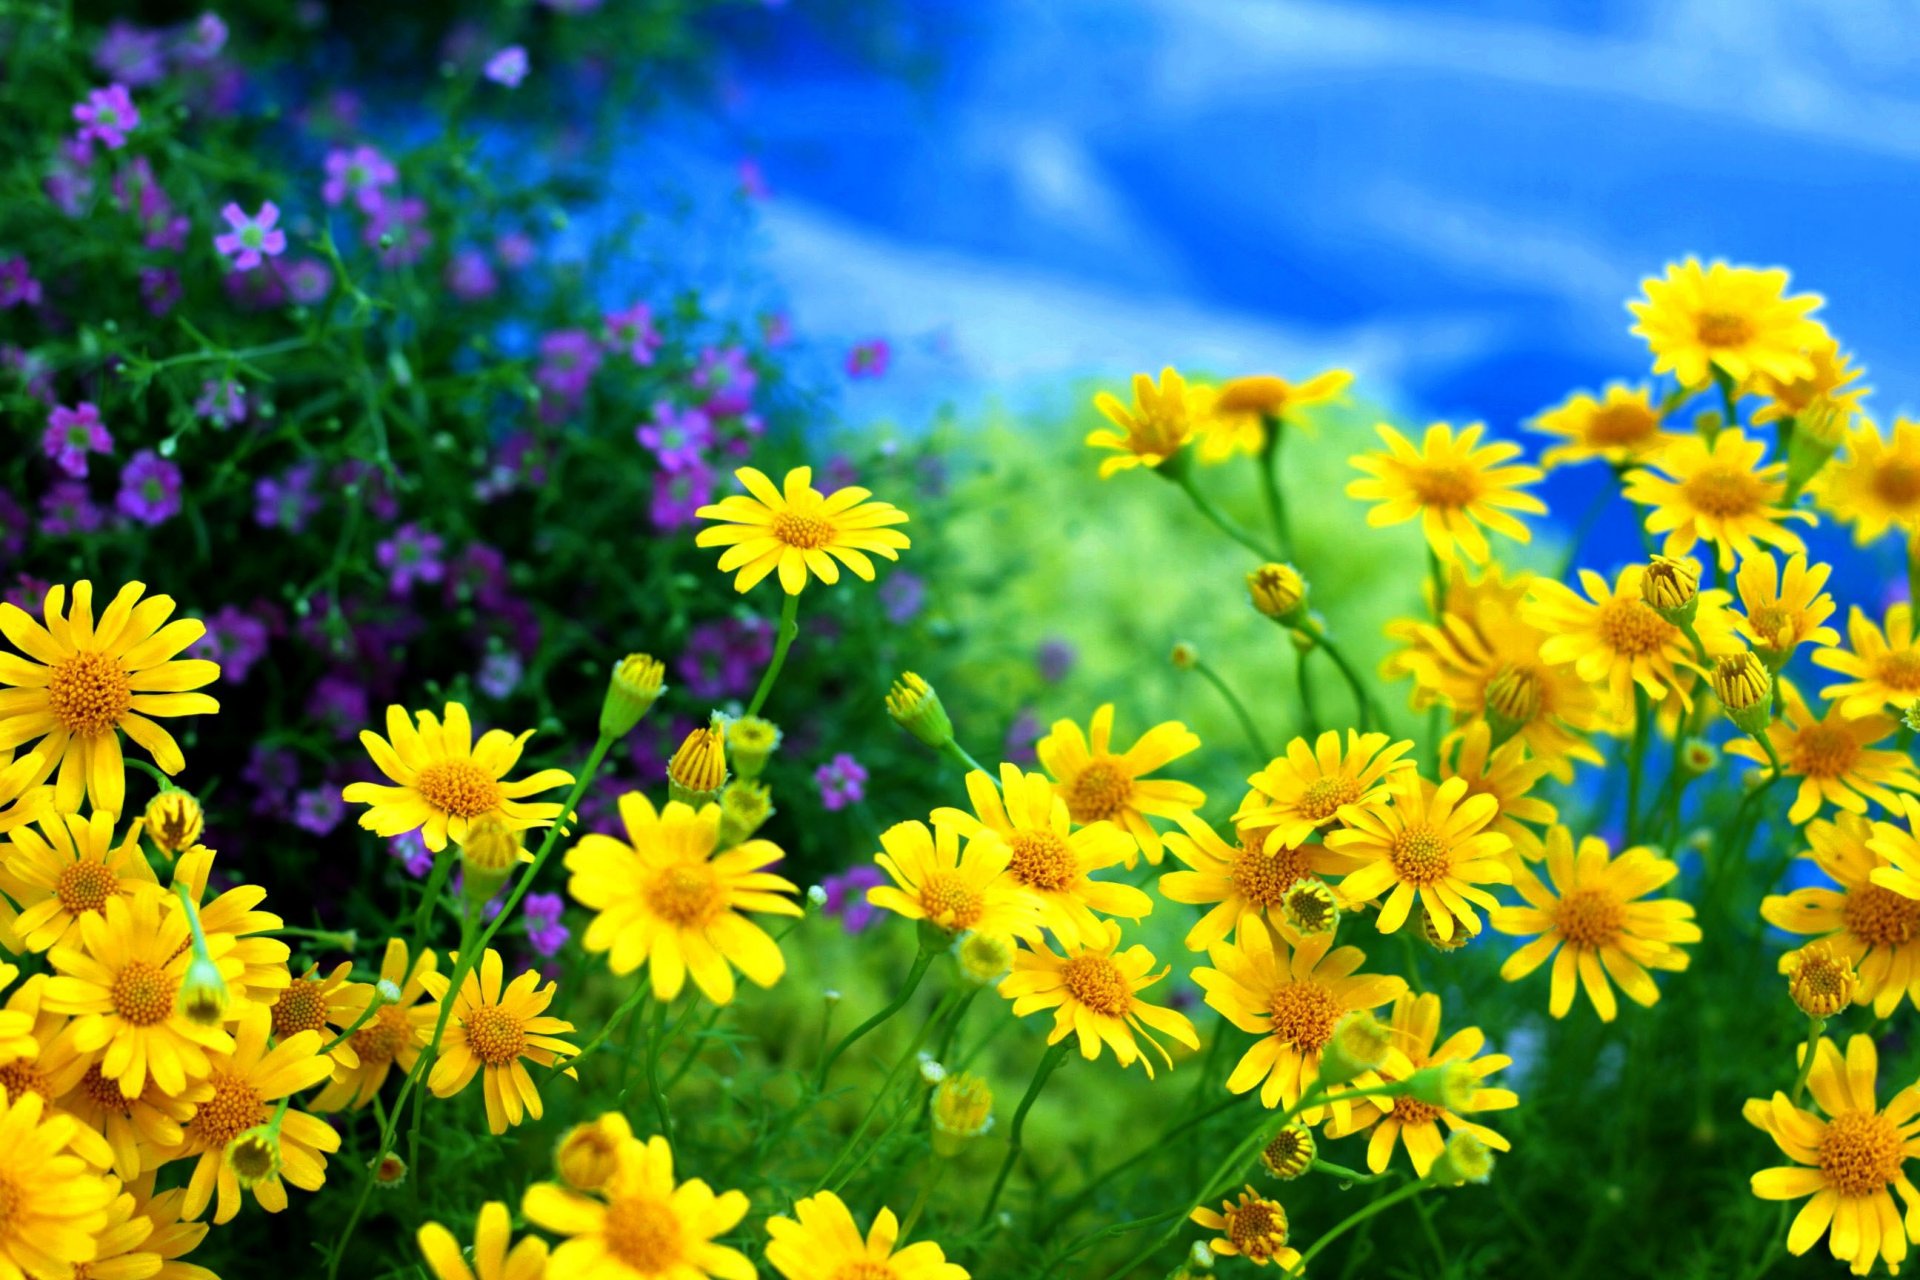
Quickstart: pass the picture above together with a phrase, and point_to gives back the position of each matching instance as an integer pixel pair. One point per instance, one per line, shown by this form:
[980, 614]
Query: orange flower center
[495, 1036]
[1042, 860]
[382, 1038]
[105, 1093]
[865, 1269]
[1323, 797]
[459, 787]
[301, 1007]
[1899, 669]
[1630, 627]
[88, 694]
[1725, 491]
[644, 1233]
[22, 1078]
[85, 886]
[235, 1107]
[1419, 855]
[1773, 624]
[1880, 917]
[1618, 424]
[1860, 1152]
[1590, 917]
[805, 532]
[1823, 751]
[1100, 791]
[1413, 1111]
[1262, 878]
[1257, 1228]
[1897, 483]
[1444, 484]
[951, 902]
[1723, 329]
[143, 993]
[1304, 1014]
[687, 893]
[1095, 981]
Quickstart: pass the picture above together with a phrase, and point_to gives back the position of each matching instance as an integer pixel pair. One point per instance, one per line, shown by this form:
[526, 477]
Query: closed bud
[1451, 1085]
[1466, 1159]
[1185, 655]
[1279, 591]
[1911, 716]
[174, 821]
[1820, 980]
[488, 855]
[636, 684]
[750, 742]
[589, 1154]
[203, 992]
[1745, 689]
[1512, 700]
[1290, 1153]
[1310, 907]
[961, 1109]
[389, 1171]
[984, 958]
[744, 809]
[1359, 1045]
[699, 768]
[915, 706]
[1671, 588]
[1819, 429]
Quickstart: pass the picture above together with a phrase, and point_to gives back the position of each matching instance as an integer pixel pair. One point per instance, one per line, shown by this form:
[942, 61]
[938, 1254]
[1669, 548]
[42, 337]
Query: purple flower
[678, 437]
[339, 704]
[137, 192]
[107, 117]
[234, 639]
[633, 331]
[515, 460]
[309, 281]
[203, 41]
[68, 508]
[360, 173]
[838, 473]
[272, 772]
[72, 434]
[397, 228]
[286, 501]
[499, 674]
[542, 911]
[1025, 730]
[902, 596]
[470, 276]
[753, 180]
[411, 849]
[514, 249]
[508, 67]
[13, 526]
[568, 360]
[842, 781]
[727, 379]
[411, 555]
[159, 289]
[364, 482]
[35, 374]
[149, 489]
[318, 809]
[18, 288]
[251, 236]
[847, 896]
[69, 182]
[678, 497]
[222, 402]
[1054, 659]
[130, 55]
[479, 574]
[722, 659]
[869, 359]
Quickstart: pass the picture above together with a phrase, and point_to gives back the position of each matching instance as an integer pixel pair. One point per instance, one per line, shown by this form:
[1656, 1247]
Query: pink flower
[360, 173]
[107, 116]
[508, 67]
[633, 330]
[74, 433]
[251, 237]
[869, 359]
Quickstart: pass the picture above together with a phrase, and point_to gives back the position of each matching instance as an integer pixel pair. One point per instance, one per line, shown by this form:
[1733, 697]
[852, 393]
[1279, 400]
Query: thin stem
[1353, 1220]
[627, 1006]
[430, 896]
[1247, 726]
[373, 1007]
[1727, 401]
[1345, 1174]
[656, 1040]
[928, 949]
[1217, 518]
[828, 1180]
[927, 1184]
[963, 758]
[1636, 762]
[166, 783]
[1270, 482]
[1362, 699]
[1048, 1061]
[789, 628]
[1306, 692]
[1815, 1028]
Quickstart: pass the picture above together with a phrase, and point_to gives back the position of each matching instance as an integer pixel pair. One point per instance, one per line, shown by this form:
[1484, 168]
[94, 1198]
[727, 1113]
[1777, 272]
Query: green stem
[627, 1006]
[373, 1007]
[929, 948]
[828, 1180]
[1048, 1061]
[1247, 726]
[1306, 692]
[1217, 518]
[1345, 1174]
[1815, 1028]
[656, 1040]
[1270, 483]
[1353, 1220]
[344, 939]
[1636, 762]
[168, 784]
[789, 628]
[1362, 699]
[963, 758]
[430, 896]
[927, 1184]
[1727, 400]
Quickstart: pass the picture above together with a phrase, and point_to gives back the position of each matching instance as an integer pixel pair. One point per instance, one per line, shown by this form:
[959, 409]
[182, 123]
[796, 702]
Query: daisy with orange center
[1874, 483]
[1830, 381]
[1318, 785]
[1292, 997]
[1453, 483]
[324, 1005]
[1590, 911]
[1236, 420]
[799, 531]
[142, 1133]
[1101, 785]
[1159, 423]
[1508, 774]
[1874, 928]
[494, 1255]
[37, 1055]
[933, 880]
[1241, 882]
[1883, 664]
[1614, 640]
[67, 869]
[1094, 992]
[494, 1030]
[1783, 611]
[392, 1039]
[1834, 758]
[1721, 493]
[1622, 427]
[1253, 1227]
[1431, 846]
[1737, 320]
[821, 1241]
[1049, 860]
[1847, 1161]
[81, 684]
[443, 779]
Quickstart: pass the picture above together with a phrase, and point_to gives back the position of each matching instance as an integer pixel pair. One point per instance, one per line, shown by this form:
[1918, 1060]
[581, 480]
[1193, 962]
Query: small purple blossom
[838, 473]
[251, 237]
[74, 433]
[362, 481]
[203, 40]
[678, 497]
[130, 54]
[159, 289]
[678, 437]
[138, 192]
[107, 117]
[411, 555]
[633, 331]
[398, 230]
[149, 489]
[339, 704]
[309, 281]
[410, 848]
[499, 674]
[31, 368]
[362, 173]
[726, 378]
[478, 574]
[847, 896]
[1025, 730]
[515, 461]
[69, 177]
[508, 67]
[67, 508]
[1053, 660]
[515, 250]
[842, 781]
[776, 329]
[568, 360]
[222, 402]
[542, 911]
[234, 639]
[286, 501]
[869, 359]
[272, 772]
[902, 596]
[18, 288]
[722, 659]
[318, 810]
[470, 276]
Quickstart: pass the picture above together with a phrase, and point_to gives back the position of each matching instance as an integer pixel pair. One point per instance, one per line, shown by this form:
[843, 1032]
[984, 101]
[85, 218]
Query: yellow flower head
[1882, 666]
[67, 869]
[325, 1005]
[1848, 1162]
[1241, 882]
[443, 779]
[173, 1238]
[1102, 785]
[494, 1255]
[494, 1030]
[961, 1108]
[1453, 483]
[1590, 911]
[1874, 484]
[1094, 992]
[1623, 426]
[799, 531]
[1829, 382]
[1820, 979]
[822, 1239]
[82, 684]
[1237, 420]
[1874, 928]
[1782, 611]
[58, 1204]
[664, 898]
[1613, 639]
[1721, 493]
[1738, 320]
[1290, 1153]
[1318, 784]
[1510, 775]
[933, 880]
[174, 821]
[699, 768]
[1432, 845]
[1157, 426]
[589, 1153]
[1834, 758]
[1254, 1228]
[390, 1040]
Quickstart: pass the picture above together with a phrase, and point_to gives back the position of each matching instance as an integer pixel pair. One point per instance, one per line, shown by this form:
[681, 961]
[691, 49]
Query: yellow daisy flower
[1407, 1120]
[1509, 775]
[494, 1255]
[1099, 784]
[142, 1132]
[1453, 483]
[1874, 483]
[1884, 665]
[1236, 420]
[173, 1238]
[1874, 928]
[1831, 380]
[933, 880]
[81, 685]
[1720, 493]
[1834, 758]
[1094, 992]
[1254, 1228]
[239, 1094]
[492, 1030]
[1623, 427]
[1157, 426]
[1734, 319]
[444, 779]
[40, 1057]
[235, 917]
[1316, 785]
[822, 1241]
[1242, 882]
[664, 898]
[392, 1039]
[1784, 611]
[69, 868]
[1614, 640]
[1049, 860]
[323, 1005]
[1292, 997]
[24, 795]
[1845, 1162]
[57, 1203]
[643, 1226]
[799, 531]
[122, 985]
[122, 1248]
[1432, 846]
[1592, 916]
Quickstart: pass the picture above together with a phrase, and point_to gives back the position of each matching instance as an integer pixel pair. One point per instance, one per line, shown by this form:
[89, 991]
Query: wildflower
[362, 173]
[1784, 610]
[915, 706]
[324, 1005]
[251, 239]
[1510, 776]
[842, 782]
[1290, 1152]
[902, 596]
[74, 433]
[222, 402]
[1875, 484]
[1745, 689]
[18, 288]
[1465, 1159]
[58, 1203]
[1314, 784]
[1820, 979]
[678, 496]
[317, 810]
[1358, 1045]
[1292, 996]
[1622, 427]
[1157, 426]
[507, 67]
[1875, 929]
[444, 779]
[728, 379]
[107, 117]
[390, 1040]
[961, 1108]
[541, 913]
[1671, 588]
[70, 868]
[1883, 663]
[745, 806]
[286, 501]
[679, 438]
[699, 768]
[492, 1030]
[1719, 492]
[1828, 383]
[1834, 758]
[492, 1259]
[411, 555]
[1737, 321]
[643, 1224]
[934, 880]
[800, 531]
[82, 684]
[1614, 640]
[633, 331]
[1254, 1228]
[1094, 992]
[1846, 1161]
[1453, 483]
[1241, 882]
[1236, 419]
[412, 852]
[1100, 785]
[1432, 844]
[149, 489]
[1591, 915]
[1278, 591]
[488, 855]
[589, 1153]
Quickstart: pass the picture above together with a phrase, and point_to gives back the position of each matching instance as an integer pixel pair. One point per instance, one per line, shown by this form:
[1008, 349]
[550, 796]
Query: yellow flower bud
[1466, 1159]
[636, 684]
[1512, 700]
[1185, 655]
[1278, 591]
[961, 1108]
[390, 1172]
[750, 741]
[589, 1154]
[1745, 689]
[744, 808]
[254, 1156]
[1820, 979]
[983, 958]
[699, 768]
[1698, 756]
[1359, 1045]
[915, 706]
[1671, 588]
[488, 855]
[1448, 1084]
[174, 821]
[203, 993]
[1291, 1152]
[1423, 925]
